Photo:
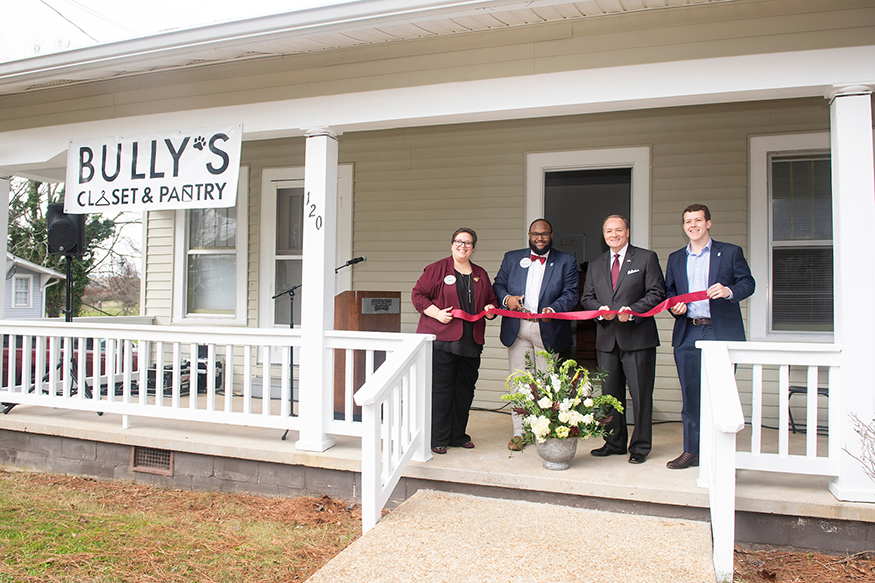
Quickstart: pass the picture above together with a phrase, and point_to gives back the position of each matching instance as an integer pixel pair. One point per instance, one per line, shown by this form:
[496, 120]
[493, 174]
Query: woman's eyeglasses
[460, 243]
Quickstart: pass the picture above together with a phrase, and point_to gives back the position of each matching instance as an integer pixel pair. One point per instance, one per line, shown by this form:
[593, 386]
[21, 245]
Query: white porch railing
[397, 423]
[722, 418]
[231, 376]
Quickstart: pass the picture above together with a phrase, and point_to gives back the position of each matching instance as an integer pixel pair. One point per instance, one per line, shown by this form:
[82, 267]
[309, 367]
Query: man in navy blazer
[539, 279]
[627, 279]
[722, 270]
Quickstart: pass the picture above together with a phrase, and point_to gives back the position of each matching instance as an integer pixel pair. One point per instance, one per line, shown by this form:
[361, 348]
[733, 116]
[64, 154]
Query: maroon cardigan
[431, 289]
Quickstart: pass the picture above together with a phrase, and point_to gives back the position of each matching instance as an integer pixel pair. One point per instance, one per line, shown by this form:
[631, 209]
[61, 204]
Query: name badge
[525, 262]
[450, 279]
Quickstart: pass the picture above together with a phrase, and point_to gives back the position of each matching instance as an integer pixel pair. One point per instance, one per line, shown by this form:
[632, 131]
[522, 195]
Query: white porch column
[4, 232]
[317, 310]
[853, 195]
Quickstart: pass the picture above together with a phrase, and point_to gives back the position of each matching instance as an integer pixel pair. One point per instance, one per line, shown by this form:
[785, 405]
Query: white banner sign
[181, 170]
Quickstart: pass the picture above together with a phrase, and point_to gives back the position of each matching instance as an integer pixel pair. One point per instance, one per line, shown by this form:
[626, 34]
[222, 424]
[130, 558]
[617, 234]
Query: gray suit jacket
[640, 285]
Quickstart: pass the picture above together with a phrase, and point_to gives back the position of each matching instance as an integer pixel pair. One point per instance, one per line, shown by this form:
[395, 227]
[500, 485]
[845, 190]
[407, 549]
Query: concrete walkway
[455, 538]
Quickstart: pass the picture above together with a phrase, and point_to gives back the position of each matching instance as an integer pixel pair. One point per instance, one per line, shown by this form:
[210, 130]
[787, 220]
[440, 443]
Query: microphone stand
[291, 292]
[266, 390]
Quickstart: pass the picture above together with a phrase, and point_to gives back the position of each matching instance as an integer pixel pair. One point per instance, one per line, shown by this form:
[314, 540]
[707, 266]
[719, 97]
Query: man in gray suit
[626, 279]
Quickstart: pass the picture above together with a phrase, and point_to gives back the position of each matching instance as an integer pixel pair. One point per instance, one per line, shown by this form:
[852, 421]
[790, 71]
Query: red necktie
[539, 258]
[615, 270]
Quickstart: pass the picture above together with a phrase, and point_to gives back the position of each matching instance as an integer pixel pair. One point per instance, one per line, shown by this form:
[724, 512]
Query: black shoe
[683, 461]
[637, 458]
[605, 451]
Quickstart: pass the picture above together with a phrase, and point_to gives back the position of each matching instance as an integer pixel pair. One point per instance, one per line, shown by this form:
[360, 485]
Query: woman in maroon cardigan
[451, 283]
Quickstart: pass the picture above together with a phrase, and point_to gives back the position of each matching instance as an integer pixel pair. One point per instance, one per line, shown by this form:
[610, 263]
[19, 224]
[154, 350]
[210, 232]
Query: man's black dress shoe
[637, 458]
[605, 451]
[683, 461]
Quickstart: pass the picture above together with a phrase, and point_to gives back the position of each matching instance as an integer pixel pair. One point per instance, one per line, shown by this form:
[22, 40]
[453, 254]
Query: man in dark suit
[721, 269]
[627, 279]
[539, 279]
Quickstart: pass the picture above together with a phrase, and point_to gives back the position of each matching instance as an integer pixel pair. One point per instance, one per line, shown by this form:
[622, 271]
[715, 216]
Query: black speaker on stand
[66, 236]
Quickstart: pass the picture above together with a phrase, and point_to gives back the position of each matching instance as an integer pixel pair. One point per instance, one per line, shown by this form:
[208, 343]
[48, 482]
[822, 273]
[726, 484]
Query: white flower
[541, 428]
[587, 389]
[588, 418]
[566, 404]
[557, 384]
[588, 403]
[545, 403]
[564, 416]
[575, 418]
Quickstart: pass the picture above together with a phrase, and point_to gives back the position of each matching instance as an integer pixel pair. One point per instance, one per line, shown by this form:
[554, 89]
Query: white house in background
[26, 285]
[405, 119]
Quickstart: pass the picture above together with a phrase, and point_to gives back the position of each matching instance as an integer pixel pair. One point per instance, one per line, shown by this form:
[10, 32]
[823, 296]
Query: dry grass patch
[64, 528]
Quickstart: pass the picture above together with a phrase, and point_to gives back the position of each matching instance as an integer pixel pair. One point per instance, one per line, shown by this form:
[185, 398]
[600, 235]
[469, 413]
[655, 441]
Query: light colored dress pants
[528, 340]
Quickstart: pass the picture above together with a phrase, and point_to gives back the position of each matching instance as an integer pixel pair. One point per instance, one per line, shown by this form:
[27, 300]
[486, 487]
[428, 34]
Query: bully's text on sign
[179, 170]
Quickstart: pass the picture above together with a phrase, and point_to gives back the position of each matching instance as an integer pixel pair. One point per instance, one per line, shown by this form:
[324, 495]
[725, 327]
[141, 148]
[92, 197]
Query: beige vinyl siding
[741, 27]
[158, 247]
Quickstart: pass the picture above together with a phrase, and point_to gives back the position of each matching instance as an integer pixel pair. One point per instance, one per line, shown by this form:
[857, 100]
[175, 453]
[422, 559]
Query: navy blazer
[640, 286]
[727, 267]
[559, 292]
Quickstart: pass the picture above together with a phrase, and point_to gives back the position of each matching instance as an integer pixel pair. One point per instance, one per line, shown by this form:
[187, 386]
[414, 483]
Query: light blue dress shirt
[698, 269]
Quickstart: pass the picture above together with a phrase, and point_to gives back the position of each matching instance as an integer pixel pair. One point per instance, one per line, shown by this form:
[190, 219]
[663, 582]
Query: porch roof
[352, 24]
[783, 71]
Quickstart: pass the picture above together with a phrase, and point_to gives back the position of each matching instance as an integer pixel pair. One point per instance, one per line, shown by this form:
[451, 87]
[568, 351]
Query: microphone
[351, 262]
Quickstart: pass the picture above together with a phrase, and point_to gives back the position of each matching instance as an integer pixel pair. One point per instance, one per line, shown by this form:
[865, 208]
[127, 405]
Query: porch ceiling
[361, 23]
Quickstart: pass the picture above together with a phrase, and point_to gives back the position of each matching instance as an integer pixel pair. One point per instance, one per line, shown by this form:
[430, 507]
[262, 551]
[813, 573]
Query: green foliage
[28, 240]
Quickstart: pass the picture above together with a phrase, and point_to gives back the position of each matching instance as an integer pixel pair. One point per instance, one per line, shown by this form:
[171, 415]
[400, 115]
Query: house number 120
[313, 215]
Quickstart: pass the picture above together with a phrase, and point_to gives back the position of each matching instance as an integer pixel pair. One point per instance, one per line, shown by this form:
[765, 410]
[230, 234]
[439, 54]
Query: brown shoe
[516, 443]
[683, 461]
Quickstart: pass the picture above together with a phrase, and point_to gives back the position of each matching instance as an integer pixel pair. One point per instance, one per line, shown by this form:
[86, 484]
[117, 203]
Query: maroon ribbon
[583, 315]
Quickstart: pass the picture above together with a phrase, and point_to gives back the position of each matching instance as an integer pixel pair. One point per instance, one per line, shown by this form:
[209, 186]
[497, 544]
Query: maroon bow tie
[540, 258]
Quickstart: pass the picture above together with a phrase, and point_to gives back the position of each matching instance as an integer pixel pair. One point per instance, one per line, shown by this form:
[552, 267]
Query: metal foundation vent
[152, 461]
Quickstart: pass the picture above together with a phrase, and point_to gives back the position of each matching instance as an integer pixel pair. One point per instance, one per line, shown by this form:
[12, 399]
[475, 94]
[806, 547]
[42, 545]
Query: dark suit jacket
[431, 289]
[559, 292]
[727, 267]
[640, 286]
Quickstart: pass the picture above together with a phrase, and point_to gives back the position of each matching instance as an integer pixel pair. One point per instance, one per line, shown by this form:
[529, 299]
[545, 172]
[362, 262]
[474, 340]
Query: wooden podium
[369, 311]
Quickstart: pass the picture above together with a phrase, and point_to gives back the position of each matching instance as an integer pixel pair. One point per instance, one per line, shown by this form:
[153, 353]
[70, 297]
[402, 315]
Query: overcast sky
[40, 27]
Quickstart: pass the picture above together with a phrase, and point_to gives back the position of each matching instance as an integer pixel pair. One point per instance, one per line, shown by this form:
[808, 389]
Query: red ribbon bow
[539, 258]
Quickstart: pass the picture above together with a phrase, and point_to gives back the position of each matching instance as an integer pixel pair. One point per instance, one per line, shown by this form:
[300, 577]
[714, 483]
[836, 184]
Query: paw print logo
[199, 142]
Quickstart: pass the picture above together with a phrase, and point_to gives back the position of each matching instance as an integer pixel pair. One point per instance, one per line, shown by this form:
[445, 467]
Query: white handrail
[722, 418]
[396, 422]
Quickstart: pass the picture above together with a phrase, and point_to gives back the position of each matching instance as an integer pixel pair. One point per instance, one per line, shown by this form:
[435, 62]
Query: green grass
[107, 309]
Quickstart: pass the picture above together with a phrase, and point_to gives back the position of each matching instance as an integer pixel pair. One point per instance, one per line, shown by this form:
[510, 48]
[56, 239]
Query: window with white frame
[210, 270]
[791, 237]
[22, 291]
[211, 261]
[801, 242]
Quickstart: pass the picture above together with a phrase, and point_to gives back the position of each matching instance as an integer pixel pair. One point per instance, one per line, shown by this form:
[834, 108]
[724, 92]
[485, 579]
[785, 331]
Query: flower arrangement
[558, 401]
